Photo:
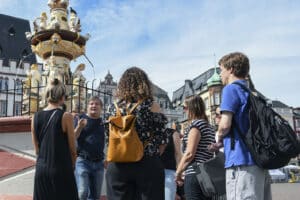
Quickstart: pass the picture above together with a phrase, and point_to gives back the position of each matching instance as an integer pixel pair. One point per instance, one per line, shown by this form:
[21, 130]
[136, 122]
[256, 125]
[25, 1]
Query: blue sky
[174, 40]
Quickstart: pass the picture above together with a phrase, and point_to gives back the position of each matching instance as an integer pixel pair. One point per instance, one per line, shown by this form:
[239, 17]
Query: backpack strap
[135, 106]
[118, 112]
[234, 124]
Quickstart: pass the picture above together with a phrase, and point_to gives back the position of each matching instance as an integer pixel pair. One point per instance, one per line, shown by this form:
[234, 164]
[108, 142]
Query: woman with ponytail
[54, 141]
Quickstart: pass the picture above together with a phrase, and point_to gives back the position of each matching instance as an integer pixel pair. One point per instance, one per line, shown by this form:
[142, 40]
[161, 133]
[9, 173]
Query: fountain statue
[57, 41]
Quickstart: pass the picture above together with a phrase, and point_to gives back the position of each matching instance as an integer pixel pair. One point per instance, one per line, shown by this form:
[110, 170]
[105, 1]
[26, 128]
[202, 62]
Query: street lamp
[93, 86]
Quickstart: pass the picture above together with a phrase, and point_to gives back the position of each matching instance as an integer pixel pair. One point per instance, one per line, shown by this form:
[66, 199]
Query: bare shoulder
[68, 116]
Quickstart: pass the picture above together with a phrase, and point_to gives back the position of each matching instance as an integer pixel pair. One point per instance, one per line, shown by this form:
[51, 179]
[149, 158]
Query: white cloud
[176, 40]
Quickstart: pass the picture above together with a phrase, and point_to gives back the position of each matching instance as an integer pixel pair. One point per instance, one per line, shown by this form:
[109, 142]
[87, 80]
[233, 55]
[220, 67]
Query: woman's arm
[33, 135]
[177, 147]
[68, 128]
[192, 143]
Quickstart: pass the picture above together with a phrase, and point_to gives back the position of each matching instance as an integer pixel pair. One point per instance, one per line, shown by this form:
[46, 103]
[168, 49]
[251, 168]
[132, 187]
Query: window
[6, 83]
[212, 100]
[18, 86]
[0, 50]
[18, 107]
[206, 102]
[11, 31]
[2, 108]
[1, 83]
[217, 98]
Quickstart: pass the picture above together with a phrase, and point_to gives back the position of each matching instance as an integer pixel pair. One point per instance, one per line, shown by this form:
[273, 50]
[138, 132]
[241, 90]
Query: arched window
[6, 83]
[11, 31]
[18, 86]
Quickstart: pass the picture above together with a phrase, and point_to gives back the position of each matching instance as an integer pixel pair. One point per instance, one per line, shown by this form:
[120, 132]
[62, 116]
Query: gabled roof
[158, 92]
[198, 83]
[13, 43]
[279, 104]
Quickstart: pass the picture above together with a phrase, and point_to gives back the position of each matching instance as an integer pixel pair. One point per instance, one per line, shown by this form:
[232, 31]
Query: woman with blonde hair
[197, 136]
[144, 179]
[54, 142]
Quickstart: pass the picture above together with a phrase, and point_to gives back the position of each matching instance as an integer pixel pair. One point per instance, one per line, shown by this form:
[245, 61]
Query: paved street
[19, 186]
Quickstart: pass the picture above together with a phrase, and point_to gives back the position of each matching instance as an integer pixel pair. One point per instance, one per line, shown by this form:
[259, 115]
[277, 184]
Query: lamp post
[93, 87]
[86, 94]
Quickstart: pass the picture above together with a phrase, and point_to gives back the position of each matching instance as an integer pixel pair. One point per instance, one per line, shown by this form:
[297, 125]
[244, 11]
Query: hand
[179, 179]
[82, 123]
[215, 146]
[105, 162]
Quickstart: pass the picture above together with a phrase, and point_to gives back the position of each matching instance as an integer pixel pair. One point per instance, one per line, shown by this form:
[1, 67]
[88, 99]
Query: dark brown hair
[134, 85]
[196, 108]
[237, 61]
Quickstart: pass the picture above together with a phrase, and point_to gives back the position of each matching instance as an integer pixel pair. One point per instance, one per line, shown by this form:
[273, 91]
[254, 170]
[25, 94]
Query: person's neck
[52, 106]
[234, 78]
[93, 116]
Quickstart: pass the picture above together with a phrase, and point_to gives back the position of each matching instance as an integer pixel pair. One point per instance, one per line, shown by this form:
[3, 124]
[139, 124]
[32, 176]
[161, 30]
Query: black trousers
[143, 180]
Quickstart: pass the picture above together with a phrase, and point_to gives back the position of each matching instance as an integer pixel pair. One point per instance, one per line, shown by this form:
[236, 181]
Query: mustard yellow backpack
[124, 144]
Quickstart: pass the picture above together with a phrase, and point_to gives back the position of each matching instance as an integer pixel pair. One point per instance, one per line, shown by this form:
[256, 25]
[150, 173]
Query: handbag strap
[196, 168]
[50, 119]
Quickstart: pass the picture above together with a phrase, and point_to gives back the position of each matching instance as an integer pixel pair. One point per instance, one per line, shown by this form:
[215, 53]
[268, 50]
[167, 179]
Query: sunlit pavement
[19, 185]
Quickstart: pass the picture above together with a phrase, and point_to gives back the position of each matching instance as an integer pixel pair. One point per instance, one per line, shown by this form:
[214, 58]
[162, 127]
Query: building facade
[15, 59]
[208, 86]
[283, 110]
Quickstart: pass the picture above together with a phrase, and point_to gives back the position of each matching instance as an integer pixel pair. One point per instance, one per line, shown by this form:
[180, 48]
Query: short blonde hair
[55, 91]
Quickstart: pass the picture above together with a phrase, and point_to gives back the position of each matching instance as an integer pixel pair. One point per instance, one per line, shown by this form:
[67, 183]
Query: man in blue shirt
[89, 166]
[244, 180]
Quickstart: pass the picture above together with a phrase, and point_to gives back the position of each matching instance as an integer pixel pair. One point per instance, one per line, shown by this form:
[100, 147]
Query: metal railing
[12, 101]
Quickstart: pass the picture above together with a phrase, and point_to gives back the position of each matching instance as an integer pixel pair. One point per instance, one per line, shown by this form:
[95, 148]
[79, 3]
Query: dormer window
[11, 31]
[24, 53]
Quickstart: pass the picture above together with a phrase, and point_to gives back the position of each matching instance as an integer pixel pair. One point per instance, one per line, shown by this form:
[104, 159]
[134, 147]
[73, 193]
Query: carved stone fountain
[57, 41]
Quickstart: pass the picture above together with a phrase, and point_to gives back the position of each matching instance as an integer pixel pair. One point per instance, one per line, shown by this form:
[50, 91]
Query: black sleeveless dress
[54, 177]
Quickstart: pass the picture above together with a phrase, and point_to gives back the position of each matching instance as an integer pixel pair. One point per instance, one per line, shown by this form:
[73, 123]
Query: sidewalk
[19, 184]
[17, 159]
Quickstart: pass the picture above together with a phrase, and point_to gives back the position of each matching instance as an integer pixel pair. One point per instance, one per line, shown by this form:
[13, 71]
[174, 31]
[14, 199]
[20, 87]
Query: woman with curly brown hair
[144, 179]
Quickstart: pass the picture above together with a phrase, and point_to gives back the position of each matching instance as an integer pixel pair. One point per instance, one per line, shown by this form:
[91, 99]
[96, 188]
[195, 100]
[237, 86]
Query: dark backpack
[270, 139]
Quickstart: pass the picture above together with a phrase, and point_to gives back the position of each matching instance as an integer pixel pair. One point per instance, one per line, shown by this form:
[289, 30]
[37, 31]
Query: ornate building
[106, 90]
[15, 59]
[208, 85]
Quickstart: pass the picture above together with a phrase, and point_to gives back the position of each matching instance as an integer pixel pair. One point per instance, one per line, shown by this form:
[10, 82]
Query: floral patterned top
[150, 126]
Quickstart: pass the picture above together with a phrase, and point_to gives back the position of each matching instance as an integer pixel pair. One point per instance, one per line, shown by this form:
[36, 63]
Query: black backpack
[270, 139]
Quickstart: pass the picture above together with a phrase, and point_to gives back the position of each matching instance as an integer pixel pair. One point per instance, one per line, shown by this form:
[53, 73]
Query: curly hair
[134, 85]
[239, 62]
